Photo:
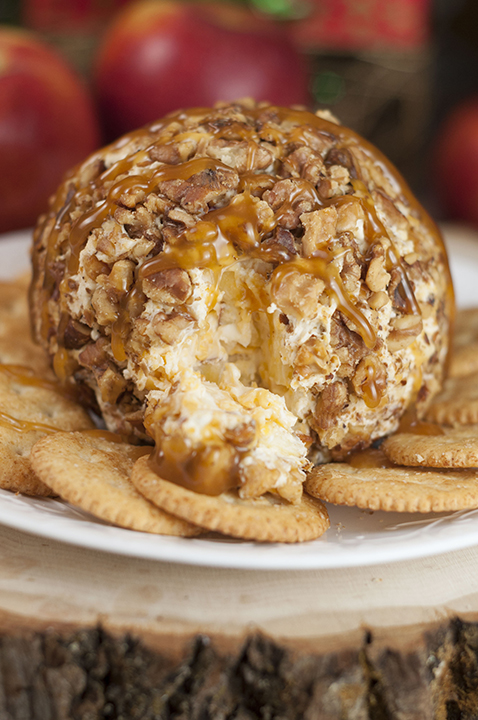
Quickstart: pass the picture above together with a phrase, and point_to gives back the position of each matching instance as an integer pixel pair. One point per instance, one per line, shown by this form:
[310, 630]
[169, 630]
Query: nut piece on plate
[252, 287]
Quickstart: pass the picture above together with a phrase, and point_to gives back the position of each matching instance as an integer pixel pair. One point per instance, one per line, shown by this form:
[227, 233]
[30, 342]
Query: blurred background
[403, 73]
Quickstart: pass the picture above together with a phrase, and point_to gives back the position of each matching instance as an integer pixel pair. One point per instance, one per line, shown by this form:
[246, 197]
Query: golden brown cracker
[17, 474]
[16, 344]
[466, 327]
[27, 413]
[457, 404]
[397, 489]
[456, 448]
[464, 360]
[464, 357]
[93, 473]
[268, 518]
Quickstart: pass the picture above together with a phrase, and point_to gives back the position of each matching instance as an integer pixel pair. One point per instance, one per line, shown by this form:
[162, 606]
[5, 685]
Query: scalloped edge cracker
[464, 361]
[93, 473]
[27, 413]
[267, 519]
[465, 326]
[457, 404]
[15, 323]
[395, 489]
[456, 448]
[464, 356]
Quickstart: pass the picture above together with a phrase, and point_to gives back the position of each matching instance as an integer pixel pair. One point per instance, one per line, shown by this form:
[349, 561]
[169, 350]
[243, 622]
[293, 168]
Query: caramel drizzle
[199, 472]
[218, 236]
[411, 424]
[81, 228]
[369, 459]
[373, 387]
[26, 376]
[134, 451]
[147, 182]
[23, 426]
[320, 265]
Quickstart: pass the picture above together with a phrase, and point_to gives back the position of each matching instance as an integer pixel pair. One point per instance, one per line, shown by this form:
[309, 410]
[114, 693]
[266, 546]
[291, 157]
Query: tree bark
[428, 672]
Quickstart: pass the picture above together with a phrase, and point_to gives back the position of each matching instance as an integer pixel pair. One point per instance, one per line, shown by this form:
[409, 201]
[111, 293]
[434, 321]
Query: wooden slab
[428, 672]
[82, 632]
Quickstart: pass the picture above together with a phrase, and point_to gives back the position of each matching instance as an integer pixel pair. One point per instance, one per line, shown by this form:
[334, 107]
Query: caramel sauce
[222, 235]
[134, 451]
[137, 451]
[217, 236]
[404, 288]
[199, 471]
[23, 426]
[213, 241]
[130, 308]
[373, 387]
[411, 424]
[146, 182]
[369, 459]
[251, 182]
[320, 265]
[26, 376]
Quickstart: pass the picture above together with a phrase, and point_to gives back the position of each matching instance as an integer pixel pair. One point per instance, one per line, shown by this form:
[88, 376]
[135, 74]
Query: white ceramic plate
[356, 537]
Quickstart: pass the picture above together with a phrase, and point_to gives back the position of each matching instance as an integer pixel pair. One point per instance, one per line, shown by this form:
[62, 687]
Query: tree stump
[86, 635]
[428, 672]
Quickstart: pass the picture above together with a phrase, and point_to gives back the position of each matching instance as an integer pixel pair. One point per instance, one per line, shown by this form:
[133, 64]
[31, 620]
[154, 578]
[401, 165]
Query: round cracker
[18, 476]
[395, 489]
[466, 327]
[27, 413]
[464, 360]
[93, 473]
[457, 404]
[268, 518]
[15, 323]
[456, 448]
[464, 357]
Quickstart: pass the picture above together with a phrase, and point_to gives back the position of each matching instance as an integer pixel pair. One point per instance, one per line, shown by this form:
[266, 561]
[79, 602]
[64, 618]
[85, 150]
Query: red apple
[47, 125]
[455, 158]
[161, 56]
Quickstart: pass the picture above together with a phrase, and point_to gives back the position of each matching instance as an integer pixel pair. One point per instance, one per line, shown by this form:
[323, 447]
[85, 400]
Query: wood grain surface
[90, 635]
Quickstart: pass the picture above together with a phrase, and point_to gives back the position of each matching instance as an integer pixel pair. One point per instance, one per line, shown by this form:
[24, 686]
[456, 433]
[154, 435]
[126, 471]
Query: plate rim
[178, 550]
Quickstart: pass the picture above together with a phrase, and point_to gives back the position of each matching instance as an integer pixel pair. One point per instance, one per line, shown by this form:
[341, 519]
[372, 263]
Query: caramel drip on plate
[27, 376]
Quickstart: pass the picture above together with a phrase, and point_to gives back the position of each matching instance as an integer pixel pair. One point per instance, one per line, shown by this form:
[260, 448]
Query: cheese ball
[252, 288]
